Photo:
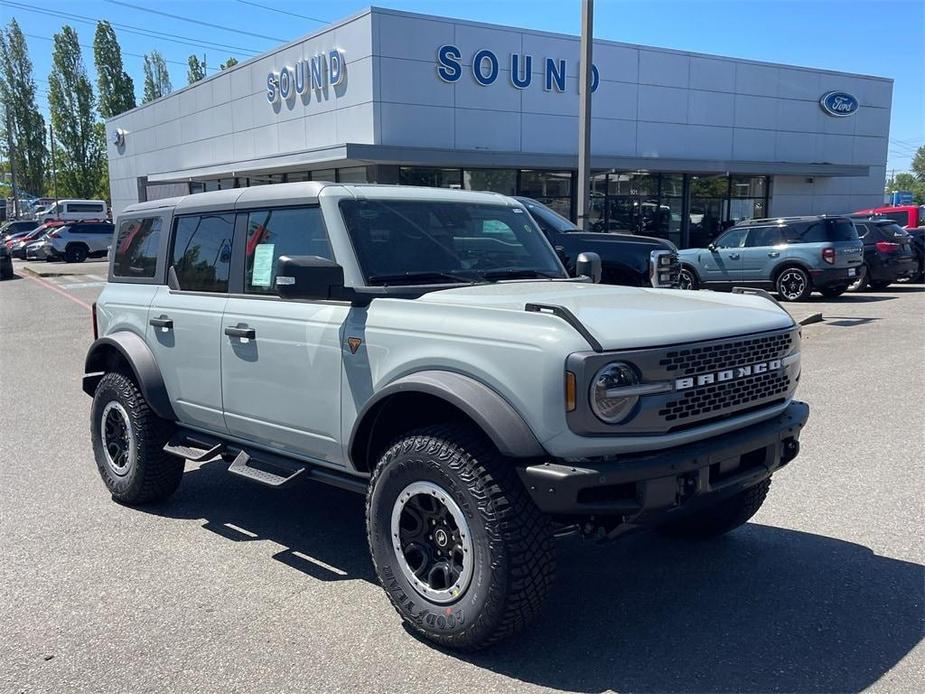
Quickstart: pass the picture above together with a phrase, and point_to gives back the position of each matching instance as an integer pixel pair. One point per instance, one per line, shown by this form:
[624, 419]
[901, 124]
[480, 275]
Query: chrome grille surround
[697, 404]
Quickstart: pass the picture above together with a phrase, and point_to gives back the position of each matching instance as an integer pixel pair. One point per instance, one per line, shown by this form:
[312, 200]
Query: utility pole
[54, 167]
[584, 113]
[11, 154]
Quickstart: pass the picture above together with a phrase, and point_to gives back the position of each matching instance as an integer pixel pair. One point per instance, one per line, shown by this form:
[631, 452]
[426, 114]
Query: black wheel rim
[686, 281]
[117, 438]
[432, 542]
[792, 284]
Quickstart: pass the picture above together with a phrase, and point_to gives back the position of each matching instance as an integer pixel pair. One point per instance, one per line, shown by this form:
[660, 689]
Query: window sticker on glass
[263, 265]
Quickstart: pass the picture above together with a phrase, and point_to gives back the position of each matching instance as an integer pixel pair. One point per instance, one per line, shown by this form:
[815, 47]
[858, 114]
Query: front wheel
[688, 279]
[794, 284]
[721, 518]
[462, 552]
[128, 443]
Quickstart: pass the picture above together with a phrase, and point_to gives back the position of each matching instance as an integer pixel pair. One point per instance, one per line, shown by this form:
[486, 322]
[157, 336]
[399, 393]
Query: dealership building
[683, 144]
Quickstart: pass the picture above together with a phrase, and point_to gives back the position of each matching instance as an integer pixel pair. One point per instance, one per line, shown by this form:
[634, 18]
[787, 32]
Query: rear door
[185, 324]
[761, 253]
[723, 265]
[281, 359]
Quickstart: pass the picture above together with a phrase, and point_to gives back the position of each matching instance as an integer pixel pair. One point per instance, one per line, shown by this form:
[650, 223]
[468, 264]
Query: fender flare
[140, 359]
[494, 415]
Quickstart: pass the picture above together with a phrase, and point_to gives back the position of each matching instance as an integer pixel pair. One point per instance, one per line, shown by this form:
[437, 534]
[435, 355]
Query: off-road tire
[76, 253]
[151, 474]
[784, 278]
[833, 292]
[511, 539]
[688, 277]
[721, 518]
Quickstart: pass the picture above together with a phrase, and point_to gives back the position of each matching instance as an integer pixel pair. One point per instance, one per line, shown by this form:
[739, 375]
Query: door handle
[774, 254]
[240, 331]
[162, 321]
[733, 256]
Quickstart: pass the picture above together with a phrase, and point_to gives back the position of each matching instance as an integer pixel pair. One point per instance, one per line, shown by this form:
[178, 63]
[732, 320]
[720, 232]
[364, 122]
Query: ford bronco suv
[427, 348]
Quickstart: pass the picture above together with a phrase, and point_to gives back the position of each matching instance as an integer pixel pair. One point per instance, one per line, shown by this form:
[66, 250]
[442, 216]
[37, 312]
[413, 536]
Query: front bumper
[645, 486]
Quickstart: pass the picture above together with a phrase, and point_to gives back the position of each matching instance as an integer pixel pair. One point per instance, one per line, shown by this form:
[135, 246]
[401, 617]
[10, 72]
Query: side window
[764, 236]
[494, 228]
[136, 247]
[815, 233]
[863, 229]
[732, 239]
[202, 252]
[272, 233]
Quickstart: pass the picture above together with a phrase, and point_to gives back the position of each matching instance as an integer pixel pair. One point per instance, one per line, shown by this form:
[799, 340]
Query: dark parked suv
[888, 254]
[793, 256]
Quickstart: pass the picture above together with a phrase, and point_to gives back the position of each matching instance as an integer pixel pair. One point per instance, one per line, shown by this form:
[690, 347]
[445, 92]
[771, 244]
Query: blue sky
[874, 37]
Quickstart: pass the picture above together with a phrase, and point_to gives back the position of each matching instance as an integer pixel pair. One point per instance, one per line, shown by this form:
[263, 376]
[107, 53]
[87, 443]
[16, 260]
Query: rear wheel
[722, 518]
[76, 253]
[688, 279]
[832, 292]
[794, 284]
[462, 552]
[128, 443]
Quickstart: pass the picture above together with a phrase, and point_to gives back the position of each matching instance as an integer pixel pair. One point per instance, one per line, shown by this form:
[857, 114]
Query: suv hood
[630, 317]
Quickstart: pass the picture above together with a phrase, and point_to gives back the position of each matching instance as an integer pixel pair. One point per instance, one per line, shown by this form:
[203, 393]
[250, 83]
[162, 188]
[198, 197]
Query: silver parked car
[426, 348]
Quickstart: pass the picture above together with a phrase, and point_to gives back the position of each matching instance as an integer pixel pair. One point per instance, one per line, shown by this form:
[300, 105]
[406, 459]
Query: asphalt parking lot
[230, 587]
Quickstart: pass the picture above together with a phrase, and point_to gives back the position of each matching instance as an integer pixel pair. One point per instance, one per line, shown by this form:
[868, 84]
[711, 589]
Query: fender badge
[354, 344]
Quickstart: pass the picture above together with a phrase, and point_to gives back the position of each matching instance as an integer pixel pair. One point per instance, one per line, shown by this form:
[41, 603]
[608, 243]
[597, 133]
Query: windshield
[435, 242]
[893, 230]
[546, 217]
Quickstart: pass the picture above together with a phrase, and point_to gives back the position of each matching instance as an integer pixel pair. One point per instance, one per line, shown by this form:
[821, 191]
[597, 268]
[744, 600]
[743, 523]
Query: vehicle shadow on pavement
[763, 609]
[848, 299]
[321, 527]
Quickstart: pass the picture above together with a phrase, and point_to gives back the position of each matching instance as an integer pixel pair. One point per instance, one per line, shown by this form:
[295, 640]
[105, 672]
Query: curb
[36, 273]
[813, 318]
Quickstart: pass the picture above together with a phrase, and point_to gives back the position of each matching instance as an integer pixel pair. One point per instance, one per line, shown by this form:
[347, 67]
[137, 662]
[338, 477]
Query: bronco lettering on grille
[727, 374]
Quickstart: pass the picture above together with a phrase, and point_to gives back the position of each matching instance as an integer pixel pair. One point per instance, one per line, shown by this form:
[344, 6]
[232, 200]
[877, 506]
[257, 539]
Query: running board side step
[184, 445]
[266, 475]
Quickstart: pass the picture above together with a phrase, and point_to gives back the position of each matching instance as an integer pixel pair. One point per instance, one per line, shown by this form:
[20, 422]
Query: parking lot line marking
[318, 562]
[58, 290]
[84, 285]
[97, 278]
[238, 529]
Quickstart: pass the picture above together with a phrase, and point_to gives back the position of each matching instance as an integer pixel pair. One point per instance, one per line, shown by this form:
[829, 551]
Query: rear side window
[84, 207]
[136, 247]
[202, 252]
[272, 233]
[815, 233]
[764, 236]
[863, 229]
[843, 230]
[901, 217]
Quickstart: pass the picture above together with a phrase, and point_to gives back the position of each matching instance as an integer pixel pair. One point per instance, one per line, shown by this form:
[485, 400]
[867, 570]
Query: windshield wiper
[420, 277]
[519, 274]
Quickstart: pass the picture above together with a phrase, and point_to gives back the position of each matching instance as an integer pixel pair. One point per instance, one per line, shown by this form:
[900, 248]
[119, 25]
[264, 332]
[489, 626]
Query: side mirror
[589, 265]
[711, 247]
[308, 277]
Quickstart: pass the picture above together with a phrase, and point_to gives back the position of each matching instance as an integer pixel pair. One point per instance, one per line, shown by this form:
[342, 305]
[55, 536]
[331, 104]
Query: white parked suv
[74, 210]
[78, 241]
[426, 348]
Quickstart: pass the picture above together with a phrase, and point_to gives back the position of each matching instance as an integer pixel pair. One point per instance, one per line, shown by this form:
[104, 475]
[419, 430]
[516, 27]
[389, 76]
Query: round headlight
[606, 401]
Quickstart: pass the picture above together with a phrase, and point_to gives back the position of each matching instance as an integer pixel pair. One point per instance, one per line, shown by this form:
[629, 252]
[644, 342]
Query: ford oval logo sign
[839, 104]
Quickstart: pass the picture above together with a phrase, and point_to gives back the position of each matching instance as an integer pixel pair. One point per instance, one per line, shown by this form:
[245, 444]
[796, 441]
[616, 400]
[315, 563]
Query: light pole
[584, 113]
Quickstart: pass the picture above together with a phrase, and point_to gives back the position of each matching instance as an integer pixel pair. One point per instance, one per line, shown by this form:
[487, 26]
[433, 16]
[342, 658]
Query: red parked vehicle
[907, 216]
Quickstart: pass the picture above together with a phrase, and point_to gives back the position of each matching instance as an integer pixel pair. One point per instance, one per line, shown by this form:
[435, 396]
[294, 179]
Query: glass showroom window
[329, 175]
[432, 178]
[352, 174]
[552, 188]
[632, 203]
[749, 198]
[502, 181]
[709, 209]
[671, 204]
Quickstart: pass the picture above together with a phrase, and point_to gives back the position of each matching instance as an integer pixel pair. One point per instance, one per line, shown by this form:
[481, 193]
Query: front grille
[702, 402]
[727, 355]
[673, 269]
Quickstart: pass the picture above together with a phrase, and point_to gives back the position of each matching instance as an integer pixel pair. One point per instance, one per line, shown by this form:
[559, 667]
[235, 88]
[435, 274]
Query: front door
[724, 262]
[184, 325]
[281, 360]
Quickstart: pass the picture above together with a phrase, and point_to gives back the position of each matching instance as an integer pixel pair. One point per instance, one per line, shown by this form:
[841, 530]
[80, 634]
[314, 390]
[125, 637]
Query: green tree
[231, 62]
[116, 88]
[908, 182]
[196, 70]
[918, 164]
[80, 150]
[26, 133]
[157, 78]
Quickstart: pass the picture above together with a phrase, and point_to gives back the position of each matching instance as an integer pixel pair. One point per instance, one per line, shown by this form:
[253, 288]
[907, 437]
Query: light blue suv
[793, 256]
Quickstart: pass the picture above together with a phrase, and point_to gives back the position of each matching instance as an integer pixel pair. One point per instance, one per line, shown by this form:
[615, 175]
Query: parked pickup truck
[633, 261]
[427, 349]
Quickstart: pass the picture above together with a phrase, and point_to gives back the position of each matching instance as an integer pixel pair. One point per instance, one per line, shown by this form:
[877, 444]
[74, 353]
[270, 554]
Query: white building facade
[683, 144]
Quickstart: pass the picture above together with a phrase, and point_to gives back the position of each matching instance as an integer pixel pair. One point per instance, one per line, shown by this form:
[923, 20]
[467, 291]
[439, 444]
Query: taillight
[828, 255]
[96, 330]
[887, 247]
